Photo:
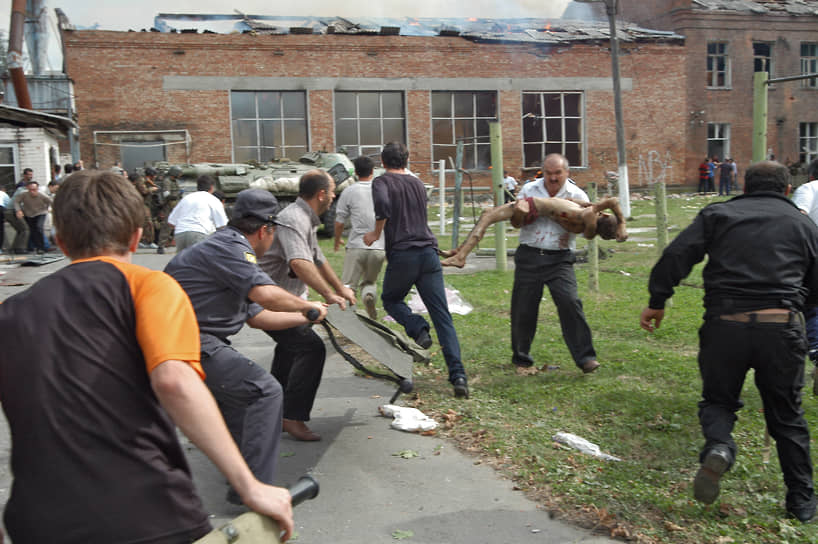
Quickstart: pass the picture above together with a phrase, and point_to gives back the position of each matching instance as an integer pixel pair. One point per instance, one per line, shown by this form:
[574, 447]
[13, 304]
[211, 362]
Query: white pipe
[442, 172]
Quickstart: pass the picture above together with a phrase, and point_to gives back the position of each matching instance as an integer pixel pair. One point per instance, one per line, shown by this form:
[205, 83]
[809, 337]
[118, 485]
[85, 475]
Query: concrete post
[496, 139]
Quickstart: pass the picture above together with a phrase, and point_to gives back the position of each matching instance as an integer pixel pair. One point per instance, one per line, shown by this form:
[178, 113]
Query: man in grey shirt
[295, 262]
[362, 263]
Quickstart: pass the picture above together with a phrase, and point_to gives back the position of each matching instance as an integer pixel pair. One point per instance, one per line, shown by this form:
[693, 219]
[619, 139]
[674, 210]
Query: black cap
[256, 203]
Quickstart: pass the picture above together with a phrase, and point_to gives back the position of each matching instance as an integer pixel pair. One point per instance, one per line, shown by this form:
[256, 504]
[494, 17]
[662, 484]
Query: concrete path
[368, 493]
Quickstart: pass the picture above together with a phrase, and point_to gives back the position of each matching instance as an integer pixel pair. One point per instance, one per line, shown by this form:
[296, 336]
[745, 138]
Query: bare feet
[454, 260]
[299, 430]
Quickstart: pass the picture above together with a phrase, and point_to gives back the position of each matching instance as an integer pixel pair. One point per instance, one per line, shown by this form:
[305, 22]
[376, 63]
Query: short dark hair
[312, 182]
[95, 213]
[766, 176]
[247, 224]
[205, 182]
[395, 155]
[363, 166]
[606, 225]
[27, 170]
[812, 170]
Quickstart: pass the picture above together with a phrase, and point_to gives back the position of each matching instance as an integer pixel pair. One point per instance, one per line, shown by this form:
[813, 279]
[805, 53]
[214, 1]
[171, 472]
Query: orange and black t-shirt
[95, 458]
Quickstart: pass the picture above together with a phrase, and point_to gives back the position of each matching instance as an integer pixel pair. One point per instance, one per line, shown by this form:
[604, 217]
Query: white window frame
[807, 142]
[550, 145]
[809, 64]
[721, 133]
[477, 143]
[712, 75]
[281, 150]
[355, 150]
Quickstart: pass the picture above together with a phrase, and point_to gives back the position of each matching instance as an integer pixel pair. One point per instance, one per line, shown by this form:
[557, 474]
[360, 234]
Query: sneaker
[369, 304]
[423, 339]
[143, 245]
[461, 388]
[706, 484]
[153, 246]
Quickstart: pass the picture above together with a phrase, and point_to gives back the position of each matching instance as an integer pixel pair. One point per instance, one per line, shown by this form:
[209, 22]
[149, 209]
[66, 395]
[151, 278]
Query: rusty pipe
[15, 54]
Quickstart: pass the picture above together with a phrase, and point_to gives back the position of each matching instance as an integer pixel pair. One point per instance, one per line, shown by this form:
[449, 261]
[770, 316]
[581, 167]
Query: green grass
[639, 406]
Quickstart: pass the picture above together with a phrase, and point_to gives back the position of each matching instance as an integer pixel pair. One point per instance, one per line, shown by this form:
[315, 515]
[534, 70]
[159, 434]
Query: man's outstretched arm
[188, 402]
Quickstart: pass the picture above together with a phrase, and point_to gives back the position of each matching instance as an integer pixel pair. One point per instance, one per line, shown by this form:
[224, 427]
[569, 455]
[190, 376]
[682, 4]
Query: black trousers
[534, 270]
[297, 365]
[776, 352]
[36, 237]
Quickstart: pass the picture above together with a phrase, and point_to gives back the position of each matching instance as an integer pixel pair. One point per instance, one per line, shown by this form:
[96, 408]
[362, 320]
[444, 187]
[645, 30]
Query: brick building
[726, 42]
[216, 97]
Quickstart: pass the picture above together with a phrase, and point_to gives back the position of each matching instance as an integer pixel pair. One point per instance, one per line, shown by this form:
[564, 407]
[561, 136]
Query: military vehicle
[279, 177]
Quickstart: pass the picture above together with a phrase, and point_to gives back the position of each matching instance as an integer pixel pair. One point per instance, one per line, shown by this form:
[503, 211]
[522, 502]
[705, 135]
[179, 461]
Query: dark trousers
[421, 267]
[703, 185]
[18, 245]
[724, 185]
[250, 402]
[298, 364]
[533, 270]
[36, 236]
[776, 351]
[711, 184]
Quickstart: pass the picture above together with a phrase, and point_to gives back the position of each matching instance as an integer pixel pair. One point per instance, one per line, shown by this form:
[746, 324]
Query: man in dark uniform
[228, 289]
[762, 271]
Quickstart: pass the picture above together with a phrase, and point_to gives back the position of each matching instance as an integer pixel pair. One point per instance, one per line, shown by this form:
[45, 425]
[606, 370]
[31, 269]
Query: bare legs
[457, 256]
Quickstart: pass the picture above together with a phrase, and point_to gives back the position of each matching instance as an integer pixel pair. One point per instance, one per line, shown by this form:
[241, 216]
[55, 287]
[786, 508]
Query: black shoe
[424, 340]
[461, 388]
[706, 484]
[805, 513]
[161, 250]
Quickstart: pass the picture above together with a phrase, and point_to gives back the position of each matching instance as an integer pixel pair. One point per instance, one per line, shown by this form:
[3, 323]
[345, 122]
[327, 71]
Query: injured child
[577, 217]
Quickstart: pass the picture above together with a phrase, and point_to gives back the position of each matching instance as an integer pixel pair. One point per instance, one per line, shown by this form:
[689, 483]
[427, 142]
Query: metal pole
[624, 189]
[759, 116]
[442, 185]
[496, 139]
[458, 193]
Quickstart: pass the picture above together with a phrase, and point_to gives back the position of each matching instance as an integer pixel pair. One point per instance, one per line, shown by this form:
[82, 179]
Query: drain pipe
[15, 54]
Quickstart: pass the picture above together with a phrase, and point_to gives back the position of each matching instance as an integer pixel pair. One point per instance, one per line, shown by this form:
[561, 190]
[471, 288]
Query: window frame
[712, 75]
[279, 151]
[358, 147]
[811, 139]
[719, 136]
[15, 168]
[809, 64]
[768, 58]
[478, 142]
[547, 146]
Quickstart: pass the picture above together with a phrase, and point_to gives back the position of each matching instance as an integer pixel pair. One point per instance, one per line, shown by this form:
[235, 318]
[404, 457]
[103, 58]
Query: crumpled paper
[408, 419]
[583, 445]
[456, 303]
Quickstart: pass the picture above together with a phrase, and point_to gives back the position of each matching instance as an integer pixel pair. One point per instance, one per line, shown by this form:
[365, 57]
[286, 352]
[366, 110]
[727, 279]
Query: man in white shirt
[510, 184]
[197, 215]
[806, 199]
[546, 257]
[362, 263]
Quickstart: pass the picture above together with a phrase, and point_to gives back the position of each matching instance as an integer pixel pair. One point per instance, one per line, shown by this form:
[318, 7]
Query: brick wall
[120, 84]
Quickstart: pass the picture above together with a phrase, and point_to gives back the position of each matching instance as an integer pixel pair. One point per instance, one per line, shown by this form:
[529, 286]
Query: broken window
[718, 140]
[552, 123]
[809, 63]
[8, 155]
[268, 125]
[463, 116]
[762, 57]
[366, 121]
[718, 65]
[808, 142]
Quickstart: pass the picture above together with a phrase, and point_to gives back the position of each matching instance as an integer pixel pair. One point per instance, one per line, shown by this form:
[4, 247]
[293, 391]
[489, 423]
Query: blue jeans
[421, 267]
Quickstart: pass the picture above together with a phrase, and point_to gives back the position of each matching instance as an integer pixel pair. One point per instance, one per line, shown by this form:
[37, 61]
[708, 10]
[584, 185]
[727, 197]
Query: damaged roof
[529, 30]
[785, 7]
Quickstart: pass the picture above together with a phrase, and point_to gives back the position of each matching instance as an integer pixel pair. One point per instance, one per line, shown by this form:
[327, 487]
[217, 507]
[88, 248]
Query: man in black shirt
[411, 253]
[762, 271]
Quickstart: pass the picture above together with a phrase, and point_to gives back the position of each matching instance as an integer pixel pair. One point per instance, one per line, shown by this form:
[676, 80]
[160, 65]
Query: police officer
[171, 194]
[762, 271]
[227, 290]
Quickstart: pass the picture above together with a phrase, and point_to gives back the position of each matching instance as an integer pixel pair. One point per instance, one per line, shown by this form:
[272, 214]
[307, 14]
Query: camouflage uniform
[143, 185]
[171, 195]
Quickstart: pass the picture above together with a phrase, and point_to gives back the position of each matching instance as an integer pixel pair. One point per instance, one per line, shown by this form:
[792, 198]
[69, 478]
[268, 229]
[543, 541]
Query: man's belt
[543, 251]
[758, 317]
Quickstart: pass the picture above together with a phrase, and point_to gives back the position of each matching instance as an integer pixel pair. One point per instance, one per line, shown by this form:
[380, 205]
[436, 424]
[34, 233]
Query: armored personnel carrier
[279, 177]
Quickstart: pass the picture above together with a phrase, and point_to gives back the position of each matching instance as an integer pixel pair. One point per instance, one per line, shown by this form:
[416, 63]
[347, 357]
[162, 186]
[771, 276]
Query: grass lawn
[639, 406]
